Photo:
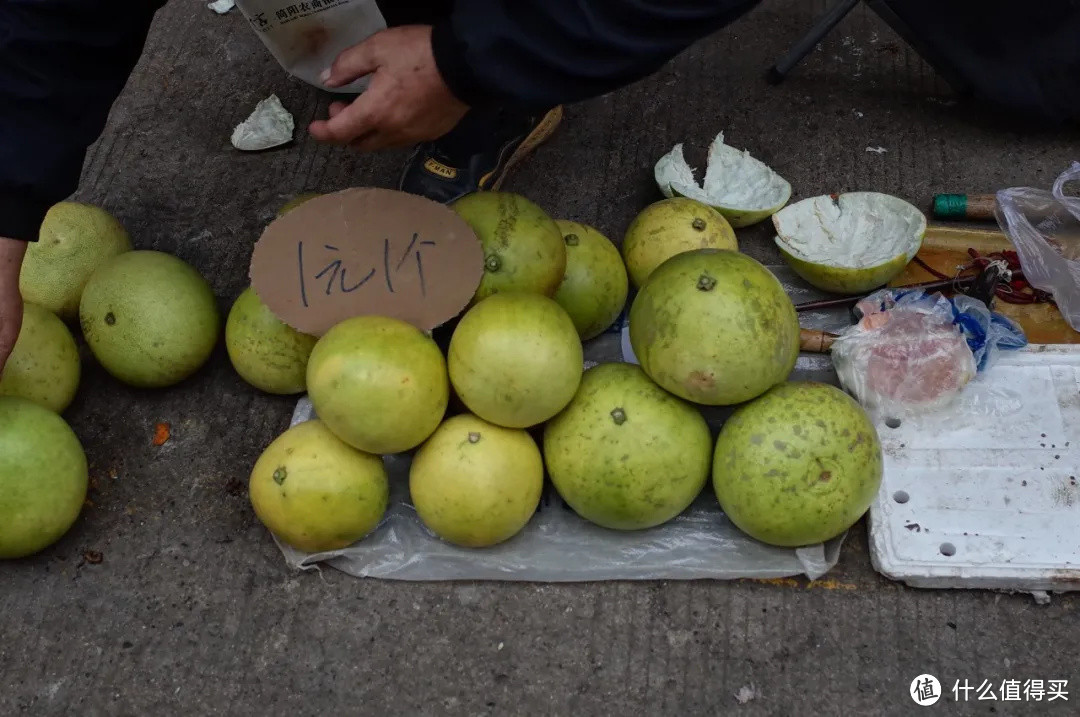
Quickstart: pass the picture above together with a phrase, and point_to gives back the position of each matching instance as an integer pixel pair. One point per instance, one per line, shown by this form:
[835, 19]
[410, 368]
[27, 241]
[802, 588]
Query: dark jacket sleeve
[62, 65]
[540, 53]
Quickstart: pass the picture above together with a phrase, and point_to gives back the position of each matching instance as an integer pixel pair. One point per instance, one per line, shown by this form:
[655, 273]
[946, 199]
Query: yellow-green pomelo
[43, 477]
[625, 454]
[75, 239]
[669, 227]
[379, 383]
[296, 201]
[44, 365]
[515, 359]
[523, 247]
[849, 243]
[798, 466]
[315, 492]
[266, 352]
[714, 327]
[593, 290]
[476, 484]
[149, 318]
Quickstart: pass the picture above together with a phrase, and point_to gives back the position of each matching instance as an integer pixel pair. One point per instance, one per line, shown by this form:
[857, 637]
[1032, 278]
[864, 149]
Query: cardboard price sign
[367, 251]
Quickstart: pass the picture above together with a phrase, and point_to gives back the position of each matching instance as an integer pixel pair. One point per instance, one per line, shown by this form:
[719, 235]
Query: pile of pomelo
[507, 401]
[503, 404]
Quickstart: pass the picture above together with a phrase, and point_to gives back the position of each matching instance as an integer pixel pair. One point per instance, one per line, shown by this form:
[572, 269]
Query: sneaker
[476, 155]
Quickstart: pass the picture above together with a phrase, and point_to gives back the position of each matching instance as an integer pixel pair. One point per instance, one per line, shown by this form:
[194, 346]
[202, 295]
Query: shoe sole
[537, 137]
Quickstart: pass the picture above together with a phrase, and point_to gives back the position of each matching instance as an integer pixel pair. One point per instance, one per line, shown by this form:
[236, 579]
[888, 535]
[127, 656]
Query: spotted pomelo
[266, 352]
[149, 318]
[379, 383]
[314, 492]
[523, 247]
[475, 484]
[798, 466]
[44, 366]
[669, 227]
[74, 240]
[594, 288]
[714, 327]
[515, 359]
[43, 477]
[625, 454]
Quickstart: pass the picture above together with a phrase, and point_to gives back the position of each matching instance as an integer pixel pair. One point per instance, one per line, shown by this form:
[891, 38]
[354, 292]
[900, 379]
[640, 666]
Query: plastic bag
[913, 352]
[1045, 229]
[306, 37]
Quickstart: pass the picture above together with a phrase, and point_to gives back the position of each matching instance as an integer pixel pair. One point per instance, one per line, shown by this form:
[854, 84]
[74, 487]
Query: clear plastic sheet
[1044, 226]
[559, 546]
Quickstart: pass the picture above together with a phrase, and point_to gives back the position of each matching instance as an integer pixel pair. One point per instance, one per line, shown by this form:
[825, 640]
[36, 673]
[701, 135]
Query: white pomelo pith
[744, 189]
[849, 243]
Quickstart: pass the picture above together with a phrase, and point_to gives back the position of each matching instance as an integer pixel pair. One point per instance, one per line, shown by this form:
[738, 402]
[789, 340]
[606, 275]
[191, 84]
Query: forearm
[62, 65]
[540, 53]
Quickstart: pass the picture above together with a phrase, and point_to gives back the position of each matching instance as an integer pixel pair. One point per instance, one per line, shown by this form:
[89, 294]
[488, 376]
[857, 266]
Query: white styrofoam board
[997, 478]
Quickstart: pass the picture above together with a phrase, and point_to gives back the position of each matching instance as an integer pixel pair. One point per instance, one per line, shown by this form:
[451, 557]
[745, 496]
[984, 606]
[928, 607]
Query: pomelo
[523, 247]
[149, 318]
[315, 492]
[266, 352]
[475, 484]
[43, 477]
[798, 466]
[515, 359]
[75, 239]
[296, 201]
[44, 365]
[625, 454]
[714, 327]
[594, 288]
[669, 227]
[379, 383]
[744, 189]
[849, 243]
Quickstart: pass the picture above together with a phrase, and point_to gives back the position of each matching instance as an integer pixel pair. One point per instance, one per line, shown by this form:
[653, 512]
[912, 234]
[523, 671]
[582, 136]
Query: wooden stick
[965, 206]
[816, 341]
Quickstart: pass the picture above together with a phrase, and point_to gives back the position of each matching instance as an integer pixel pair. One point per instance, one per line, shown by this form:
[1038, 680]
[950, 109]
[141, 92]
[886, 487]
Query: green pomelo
[523, 247]
[44, 366]
[798, 466]
[714, 327]
[515, 359]
[594, 289]
[475, 484]
[669, 227]
[43, 477]
[149, 318]
[625, 454]
[74, 240]
[379, 383]
[315, 492]
[266, 352]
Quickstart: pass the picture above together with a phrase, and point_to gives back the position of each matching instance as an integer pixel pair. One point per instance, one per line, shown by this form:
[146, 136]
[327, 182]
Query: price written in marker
[366, 251]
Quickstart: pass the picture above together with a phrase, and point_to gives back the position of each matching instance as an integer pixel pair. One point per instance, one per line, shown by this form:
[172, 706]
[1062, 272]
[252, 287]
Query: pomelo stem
[474, 437]
[698, 224]
[492, 263]
[571, 239]
[706, 283]
[619, 416]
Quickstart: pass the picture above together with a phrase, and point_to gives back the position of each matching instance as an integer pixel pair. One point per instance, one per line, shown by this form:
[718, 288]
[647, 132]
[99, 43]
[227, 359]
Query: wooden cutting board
[945, 248]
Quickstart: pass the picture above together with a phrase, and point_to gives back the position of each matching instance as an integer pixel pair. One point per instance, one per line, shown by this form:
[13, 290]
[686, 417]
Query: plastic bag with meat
[913, 353]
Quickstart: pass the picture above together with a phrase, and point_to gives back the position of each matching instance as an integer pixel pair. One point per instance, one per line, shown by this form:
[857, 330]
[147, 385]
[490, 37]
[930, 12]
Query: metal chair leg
[802, 48]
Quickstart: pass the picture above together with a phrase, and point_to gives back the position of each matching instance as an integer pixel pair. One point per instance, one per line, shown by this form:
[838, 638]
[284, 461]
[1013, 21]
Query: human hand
[11, 303]
[405, 102]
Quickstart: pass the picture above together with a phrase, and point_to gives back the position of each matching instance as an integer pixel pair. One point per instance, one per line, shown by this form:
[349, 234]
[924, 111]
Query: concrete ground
[191, 609]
